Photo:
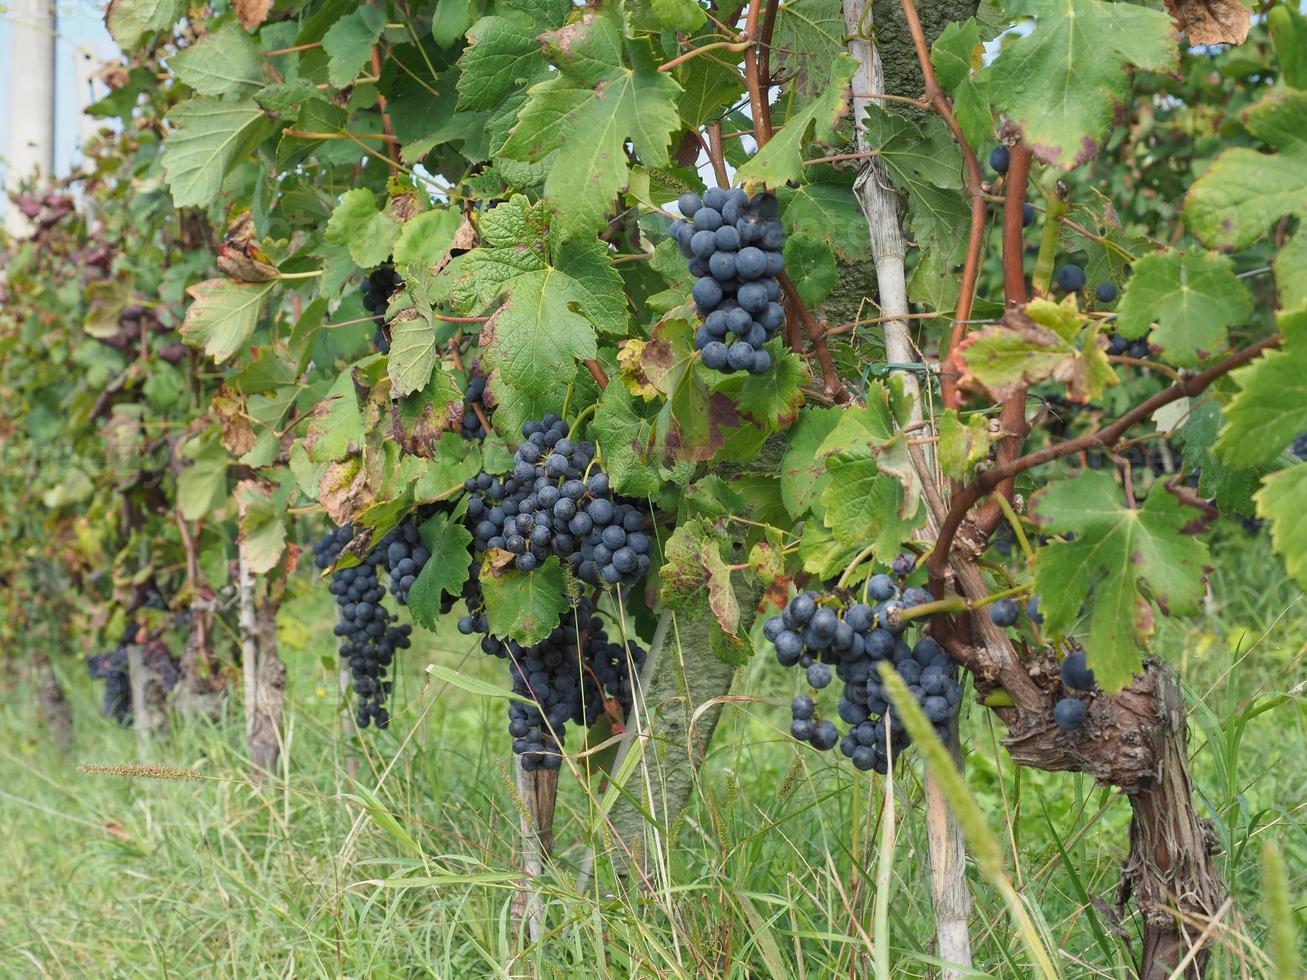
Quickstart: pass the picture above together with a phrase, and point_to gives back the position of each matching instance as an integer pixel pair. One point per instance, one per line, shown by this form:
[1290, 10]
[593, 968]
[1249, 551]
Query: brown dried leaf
[237, 434]
[252, 13]
[1211, 21]
[343, 490]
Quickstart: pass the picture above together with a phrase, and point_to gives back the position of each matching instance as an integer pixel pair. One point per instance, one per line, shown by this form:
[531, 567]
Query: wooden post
[148, 716]
[538, 791]
[264, 673]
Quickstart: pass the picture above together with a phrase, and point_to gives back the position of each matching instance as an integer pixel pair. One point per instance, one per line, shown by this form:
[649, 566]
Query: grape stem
[1053, 215]
[584, 414]
[1006, 507]
[853, 565]
[704, 49]
[975, 191]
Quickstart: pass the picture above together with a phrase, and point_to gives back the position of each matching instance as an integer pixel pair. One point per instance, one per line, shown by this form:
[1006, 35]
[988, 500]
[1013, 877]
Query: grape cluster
[568, 677]
[1070, 713]
[367, 631]
[113, 668]
[377, 287]
[557, 501]
[816, 631]
[404, 555]
[1116, 344]
[734, 245]
[474, 395]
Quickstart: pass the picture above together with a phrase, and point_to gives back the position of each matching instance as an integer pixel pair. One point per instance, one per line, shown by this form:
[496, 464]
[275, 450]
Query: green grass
[773, 872]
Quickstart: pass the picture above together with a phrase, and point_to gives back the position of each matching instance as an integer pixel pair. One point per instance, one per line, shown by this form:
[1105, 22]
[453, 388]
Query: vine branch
[1103, 438]
[975, 235]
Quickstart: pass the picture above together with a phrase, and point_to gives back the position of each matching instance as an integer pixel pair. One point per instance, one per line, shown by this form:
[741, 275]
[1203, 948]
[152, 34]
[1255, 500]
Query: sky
[81, 22]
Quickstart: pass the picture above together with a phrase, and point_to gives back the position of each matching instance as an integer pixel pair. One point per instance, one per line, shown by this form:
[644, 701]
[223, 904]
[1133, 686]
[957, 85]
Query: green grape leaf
[553, 295]
[803, 474]
[1271, 407]
[772, 400]
[202, 486]
[958, 58]
[1288, 29]
[694, 574]
[513, 406]
[262, 537]
[1062, 81]
[826, 210]
[451, 21]
[336, 427]
[962, 444]
[1111, 252]
[927, 163]
[1290, 266]
[349, 43]
[608, 90]
[809, 35]
[1282, 501]
[223, 315]
[1193, 298]
[503, 51]
[225, 62]
[356, 223]
[707, 87]
[691, 425]
[424, 241]
[678, 15]
[781, 159]
[452, 460]
[1230, 488]
[208, 136]
[626, 442]
[874, 494]
[822, 554]
[1117, 551]
[811, 265]
[413, 352]
[1245, 191]
[130, 21]
[1050, 340]
[445, 571]
[524, 606]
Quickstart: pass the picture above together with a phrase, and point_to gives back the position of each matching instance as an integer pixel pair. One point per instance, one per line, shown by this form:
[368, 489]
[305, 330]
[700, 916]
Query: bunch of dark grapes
[568, 677]
[734, 245]
[404, 556]
[821, 631]
[556, 501]
[474, 396]
[368, 636]
[113, 668]
[377, 287]
[1117, 345]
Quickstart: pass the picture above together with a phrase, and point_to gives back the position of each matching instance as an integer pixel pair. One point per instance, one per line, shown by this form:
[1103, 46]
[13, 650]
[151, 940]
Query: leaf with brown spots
[343, 490]
[690, 424]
